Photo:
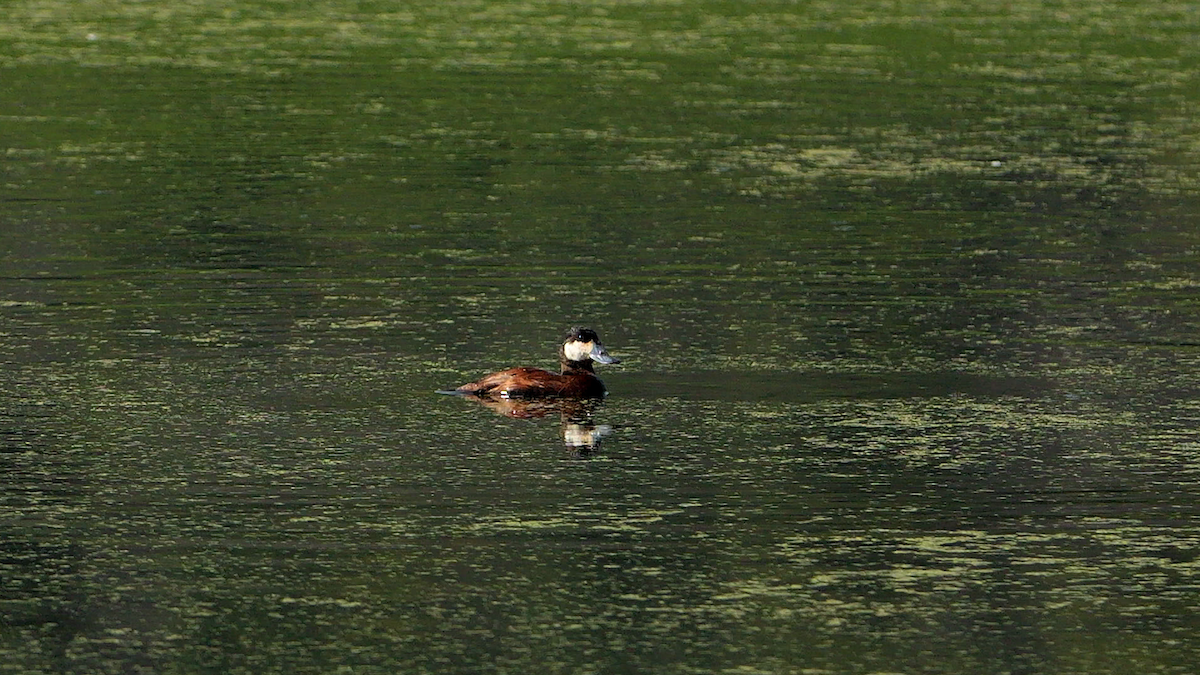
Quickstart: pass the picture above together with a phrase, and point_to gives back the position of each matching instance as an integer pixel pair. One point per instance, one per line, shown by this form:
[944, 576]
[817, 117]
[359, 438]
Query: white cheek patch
[577, 351]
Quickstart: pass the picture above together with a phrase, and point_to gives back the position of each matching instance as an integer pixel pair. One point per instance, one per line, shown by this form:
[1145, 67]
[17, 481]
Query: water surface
[905, 297]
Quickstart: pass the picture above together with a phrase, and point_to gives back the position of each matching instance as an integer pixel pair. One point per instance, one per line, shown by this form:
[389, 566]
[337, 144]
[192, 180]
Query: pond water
[905, 294]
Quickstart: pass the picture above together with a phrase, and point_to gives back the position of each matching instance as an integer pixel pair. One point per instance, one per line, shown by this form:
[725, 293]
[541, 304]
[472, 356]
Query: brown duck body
[535, 382]
[577, 379]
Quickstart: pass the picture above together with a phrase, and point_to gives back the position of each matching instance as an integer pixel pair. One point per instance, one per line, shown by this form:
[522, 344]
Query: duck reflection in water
[575, 392]
[580, 433]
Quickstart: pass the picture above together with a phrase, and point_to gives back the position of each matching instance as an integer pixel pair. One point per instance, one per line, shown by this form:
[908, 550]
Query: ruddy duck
[577, 380]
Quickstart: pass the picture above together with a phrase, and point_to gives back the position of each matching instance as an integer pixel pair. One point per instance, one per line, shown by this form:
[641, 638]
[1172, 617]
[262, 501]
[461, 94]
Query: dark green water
[906, 296]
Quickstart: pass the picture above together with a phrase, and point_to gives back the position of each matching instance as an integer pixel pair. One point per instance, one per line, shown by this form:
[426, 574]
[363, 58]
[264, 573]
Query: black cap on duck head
[583, 344]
